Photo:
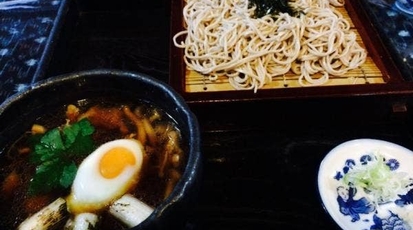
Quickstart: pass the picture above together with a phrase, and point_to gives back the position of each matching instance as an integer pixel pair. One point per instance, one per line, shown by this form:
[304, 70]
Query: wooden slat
[368, 73]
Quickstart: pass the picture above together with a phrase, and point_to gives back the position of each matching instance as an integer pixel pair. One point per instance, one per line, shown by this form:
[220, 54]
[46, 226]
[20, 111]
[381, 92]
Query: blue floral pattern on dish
[392, 222]
[350, 206]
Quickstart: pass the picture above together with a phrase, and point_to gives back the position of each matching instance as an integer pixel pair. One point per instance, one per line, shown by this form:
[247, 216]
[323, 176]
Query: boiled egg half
[105, 175]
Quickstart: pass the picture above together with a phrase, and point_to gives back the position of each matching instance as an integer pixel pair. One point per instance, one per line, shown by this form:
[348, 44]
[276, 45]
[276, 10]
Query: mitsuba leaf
[52, 155]
[47, 177]
[50, 145]
[68, 175]
[77, 137]
[70, 133]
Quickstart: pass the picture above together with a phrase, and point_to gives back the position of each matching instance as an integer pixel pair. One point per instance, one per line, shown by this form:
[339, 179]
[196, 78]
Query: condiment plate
[348, 202]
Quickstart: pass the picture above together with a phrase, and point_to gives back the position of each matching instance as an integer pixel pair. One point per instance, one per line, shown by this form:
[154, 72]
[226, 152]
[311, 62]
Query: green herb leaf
[77, 138]
[50, 145]
[46, 178]
[53, 153]
[68, 175]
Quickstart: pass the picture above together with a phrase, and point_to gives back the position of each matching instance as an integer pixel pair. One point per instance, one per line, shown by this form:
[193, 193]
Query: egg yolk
[115, 161]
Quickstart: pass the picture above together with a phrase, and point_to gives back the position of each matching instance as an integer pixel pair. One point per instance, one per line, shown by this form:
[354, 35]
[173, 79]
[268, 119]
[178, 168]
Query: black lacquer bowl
[19, 112]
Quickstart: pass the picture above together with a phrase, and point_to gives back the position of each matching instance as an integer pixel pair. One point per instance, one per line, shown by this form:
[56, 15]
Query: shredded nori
[272, 7]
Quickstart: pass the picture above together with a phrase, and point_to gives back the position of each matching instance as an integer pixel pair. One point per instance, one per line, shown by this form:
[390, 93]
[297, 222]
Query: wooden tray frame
[394, 82]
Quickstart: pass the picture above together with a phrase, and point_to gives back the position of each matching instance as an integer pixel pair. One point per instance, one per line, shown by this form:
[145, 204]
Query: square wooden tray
[378, 75]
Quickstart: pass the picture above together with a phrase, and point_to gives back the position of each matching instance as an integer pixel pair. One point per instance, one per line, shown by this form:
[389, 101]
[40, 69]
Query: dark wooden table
[261, 158]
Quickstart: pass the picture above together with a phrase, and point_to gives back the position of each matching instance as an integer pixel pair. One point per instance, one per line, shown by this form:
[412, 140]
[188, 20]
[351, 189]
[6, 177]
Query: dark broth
[152, 188]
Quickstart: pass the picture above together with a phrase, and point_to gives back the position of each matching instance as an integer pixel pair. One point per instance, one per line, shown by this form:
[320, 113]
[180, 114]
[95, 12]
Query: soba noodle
[223, 38]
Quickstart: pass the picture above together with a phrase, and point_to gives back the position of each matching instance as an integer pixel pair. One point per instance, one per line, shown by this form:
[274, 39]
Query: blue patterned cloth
[396, 30]
[25, 32]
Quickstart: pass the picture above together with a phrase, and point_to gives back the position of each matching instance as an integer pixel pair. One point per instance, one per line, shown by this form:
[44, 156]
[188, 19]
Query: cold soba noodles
[225, 37]
[130, 150]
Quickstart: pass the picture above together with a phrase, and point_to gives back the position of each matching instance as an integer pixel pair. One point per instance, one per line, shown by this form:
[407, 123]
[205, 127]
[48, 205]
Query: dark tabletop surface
[261, 158]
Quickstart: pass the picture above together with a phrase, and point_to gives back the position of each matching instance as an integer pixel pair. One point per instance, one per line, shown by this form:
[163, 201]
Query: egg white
[92, 192]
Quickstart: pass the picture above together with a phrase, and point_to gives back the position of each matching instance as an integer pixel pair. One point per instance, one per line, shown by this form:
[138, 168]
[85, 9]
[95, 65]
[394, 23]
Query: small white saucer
[350, 206]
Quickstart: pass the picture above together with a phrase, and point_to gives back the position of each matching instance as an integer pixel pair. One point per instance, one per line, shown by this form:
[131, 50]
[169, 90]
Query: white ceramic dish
[351, 207]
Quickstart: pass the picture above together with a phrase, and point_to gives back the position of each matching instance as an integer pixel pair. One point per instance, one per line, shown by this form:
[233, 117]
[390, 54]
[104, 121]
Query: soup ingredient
[145, 132]
[47, 217]
[35, 203]
[38, 129]
[130, 210]
[377, 179]
[9, 185]
[83, 221]
[53, 153]
[108, 118]
[105, 175]
[72, 112]
[171, 152]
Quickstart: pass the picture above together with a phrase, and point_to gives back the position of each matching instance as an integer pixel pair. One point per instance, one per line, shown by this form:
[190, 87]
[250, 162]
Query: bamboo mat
[368, 73]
